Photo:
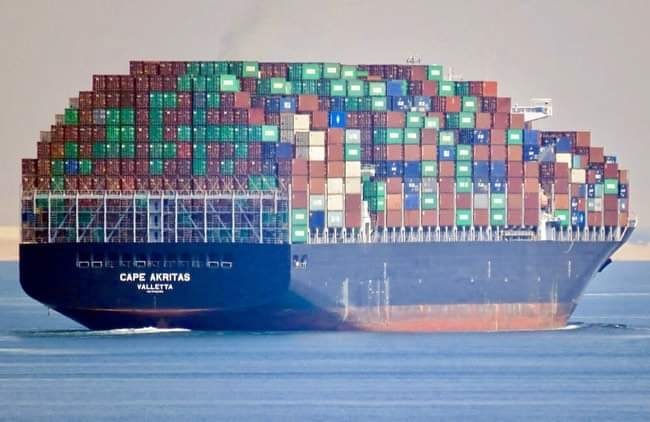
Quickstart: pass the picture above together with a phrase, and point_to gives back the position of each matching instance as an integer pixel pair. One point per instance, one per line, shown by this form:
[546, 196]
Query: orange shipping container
[447, 217]
[395, 119]
[394, 218]
[517, 121]
[562, 201]
[395, 152]
[531, 185]
[429, 152]
[583, 139]
[317, 185]
[394, 185]
[498, 137]
[429, 218]
[447, 169]
[483, 121]
[336, 169]
[317, 169]
[411, 152]
[411, 218]
[515, 217]
[531, 169]
[515, 153]
[335, 136]
[481, 152]
[481, 217]
[429, 136]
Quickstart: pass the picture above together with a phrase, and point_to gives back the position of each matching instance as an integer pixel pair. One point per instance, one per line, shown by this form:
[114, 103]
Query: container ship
[242, 195]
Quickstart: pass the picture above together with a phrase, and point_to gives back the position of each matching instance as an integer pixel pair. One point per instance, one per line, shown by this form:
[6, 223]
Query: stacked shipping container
[390, 145]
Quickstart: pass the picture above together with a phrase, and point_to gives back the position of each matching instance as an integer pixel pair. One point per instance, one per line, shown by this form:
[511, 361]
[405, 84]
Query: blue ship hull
[437, 286]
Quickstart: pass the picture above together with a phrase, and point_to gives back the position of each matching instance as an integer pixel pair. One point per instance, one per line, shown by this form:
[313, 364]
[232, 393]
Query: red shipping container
[531, 200]
[501, 120]
[561, 170]
[242, 99]
[299, 167]
[446, 201]
[299, 183]
[336, 169]
[430, 88]
[99, 133]
[463, 200]
[531, 185]
[393, 218]
[29, 183]
[29, 167]
[394, 185]
[99, 167]
[515, 217]
[43, 183]
[213, 166]
[610, 202]
[299, 199]
[447, 169]
[561, 186]
[429, 136]
[623, 219]
[307, 103]
[169, 168]
[504, 105]
[85, 183]
[319, 120]
[86, 100]
[99, 183]
[429, 152]
[335, 152]
[85, 133]
[515, 184]
[489, 89]
[411, 152]
[583, 139]
[481, 217]
[352, 219]
[610, 218]
[611, 170]
[112, 99]
[531, 216]
[483, 120]
[141, 183]
[481, 152]
[446, 184]
[112, 167]
[255, 116]
[429, 218]
[142, 167]
[447, 217]
[43, 167]
[353, 202]
[517, 121]
[594, 219]
[498, 137]
[395, 152]
[411, 218]
[43, 150]
[623, 177]
[85, 117]
[395, 119]
[515, 153]
[335, 136]
[127, 166]
[531, 169]
[317, 169]
[317, 185]
[127, 183]
[562, 201]
[156, 183]
[596, 155]
[241, 169]
[453, 104]
[113, 183]
[515, 169]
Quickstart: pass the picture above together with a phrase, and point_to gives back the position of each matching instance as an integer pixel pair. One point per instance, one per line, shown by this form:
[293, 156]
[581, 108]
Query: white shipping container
[317, 138]
[564, 157]
[335, 202]
[353, 136]
[335, 219]
[353, 169]
[353, 185]
[316, 202]
[578, 176]
[481, 200]
[317, 153]
[301, 122]
[335, 185]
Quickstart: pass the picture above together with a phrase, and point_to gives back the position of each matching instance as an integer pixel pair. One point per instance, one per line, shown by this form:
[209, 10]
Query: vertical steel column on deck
[261, 219]
[175, 217]
[291, 212]
[148, 217]
[232, 217]
[205, 217]
[105, 218]
[49, 217]
[76, 216]
[134, 215]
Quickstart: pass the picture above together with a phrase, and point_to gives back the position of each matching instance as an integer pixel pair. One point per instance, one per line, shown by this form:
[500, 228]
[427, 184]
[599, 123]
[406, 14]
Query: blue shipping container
[316, 220]
[578, 218]
[546, 154]
[411, 186]
[71, 167]
[411, 201]
[563, 145]
[446, 153]
[337, 104]
[466, 136]
[498, 186]
[272, 105]
[269, 150]
[394, 168]
[412, 169]
[338, 119]
[481, 170]
[498, 170]
[198, 100]
[531, 152]
[394, 88]
[284, 151]
[531, 137]
[422, 103]
[401, 103]
[288, 104]
[482, 136]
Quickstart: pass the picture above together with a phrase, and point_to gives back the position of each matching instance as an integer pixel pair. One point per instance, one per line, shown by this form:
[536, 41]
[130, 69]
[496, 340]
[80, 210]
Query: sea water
[597, 368]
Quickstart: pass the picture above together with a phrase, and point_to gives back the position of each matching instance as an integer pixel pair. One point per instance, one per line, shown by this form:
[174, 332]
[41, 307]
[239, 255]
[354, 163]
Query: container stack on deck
[393, 146]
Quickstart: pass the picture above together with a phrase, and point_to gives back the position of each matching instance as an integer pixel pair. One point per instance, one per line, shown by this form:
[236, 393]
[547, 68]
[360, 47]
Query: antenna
[414, 59]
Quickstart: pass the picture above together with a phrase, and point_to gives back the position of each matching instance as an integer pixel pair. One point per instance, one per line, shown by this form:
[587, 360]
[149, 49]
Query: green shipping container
[464, 169]
[57, 183]
[169, 150]
[564, 216]
[184, 133]
[377, 203]
[412, 136]
[156, 151]
[446, 137]
[377, 88]
[311, 71]
[463, 184]
[199, 167]
[429, 201]
[127, 116]
[71, 116]
[352, 152]
[331, 71]
[155, 117]
[199, 83]
[515, 137]
[338, 88]
[299, 234]
[415, 119]
[113, 150]
[127, 133]
[299, 217]
[228, 83]
[169, 100]
[497, 201]
[212, 100]
[199, 133]
[155, 133]
[156, 167]
[497, 217]
[127, 150]
[611, 187]
[85, 167]
[434, 72]
[446, 88]
[112, 116]
[429, 168]
[432, 122]
[373, 189]
[356, 88]
[348, 72]
[199, 150]
[241, 150]
[394, 136]
[379, 104]
[199, 116]
[113, 133]
[270, 133]
[466, 120]
[57, 167]
[250, 70]
[227, 167]
[463, 217]
[70, 149]
[99, 150]
[464, 153]
[470, 104]
[155, 100]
